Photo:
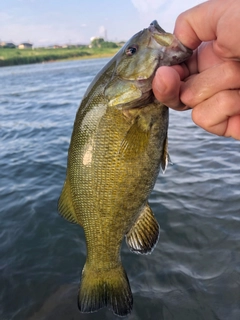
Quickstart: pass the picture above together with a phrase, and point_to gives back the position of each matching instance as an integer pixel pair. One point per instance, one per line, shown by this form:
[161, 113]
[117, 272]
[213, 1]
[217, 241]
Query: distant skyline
[76, 21]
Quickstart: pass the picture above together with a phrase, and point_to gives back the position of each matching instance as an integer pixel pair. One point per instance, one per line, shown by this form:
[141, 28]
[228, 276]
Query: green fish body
[118, 144]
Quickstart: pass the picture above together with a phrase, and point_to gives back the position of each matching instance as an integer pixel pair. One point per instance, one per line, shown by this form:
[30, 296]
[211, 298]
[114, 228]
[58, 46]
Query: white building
[25, 45]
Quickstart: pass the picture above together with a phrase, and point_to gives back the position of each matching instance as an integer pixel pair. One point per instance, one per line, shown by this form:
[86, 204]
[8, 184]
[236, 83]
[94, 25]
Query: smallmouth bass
[118, 144]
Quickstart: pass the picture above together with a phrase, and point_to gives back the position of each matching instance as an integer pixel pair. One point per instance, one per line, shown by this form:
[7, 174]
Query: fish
[118, 145]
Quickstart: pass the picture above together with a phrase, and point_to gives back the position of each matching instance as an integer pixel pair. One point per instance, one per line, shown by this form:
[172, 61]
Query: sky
[49, 22]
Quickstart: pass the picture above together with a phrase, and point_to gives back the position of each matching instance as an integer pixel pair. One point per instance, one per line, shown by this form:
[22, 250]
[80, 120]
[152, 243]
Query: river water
[194, 271]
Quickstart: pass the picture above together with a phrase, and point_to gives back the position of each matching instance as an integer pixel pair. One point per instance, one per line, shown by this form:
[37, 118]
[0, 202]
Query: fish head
[137, 62]
[147, 50]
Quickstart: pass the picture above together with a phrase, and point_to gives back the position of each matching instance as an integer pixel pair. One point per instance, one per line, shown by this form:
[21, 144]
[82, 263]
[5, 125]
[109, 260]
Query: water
[193, 273]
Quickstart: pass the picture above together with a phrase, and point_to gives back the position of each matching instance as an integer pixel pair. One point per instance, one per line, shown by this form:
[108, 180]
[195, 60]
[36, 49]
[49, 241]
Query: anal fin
[144, 234]
[65, 205]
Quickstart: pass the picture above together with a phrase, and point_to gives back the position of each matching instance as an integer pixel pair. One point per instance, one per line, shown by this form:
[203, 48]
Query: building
[7, 45]
[25, 45]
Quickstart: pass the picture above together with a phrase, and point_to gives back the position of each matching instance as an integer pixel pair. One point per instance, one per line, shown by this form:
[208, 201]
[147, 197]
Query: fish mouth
[174, 51]
[154, 26]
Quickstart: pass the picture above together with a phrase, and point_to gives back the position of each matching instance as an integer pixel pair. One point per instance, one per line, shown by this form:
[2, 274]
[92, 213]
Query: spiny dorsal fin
[65, 205]
[144, 234]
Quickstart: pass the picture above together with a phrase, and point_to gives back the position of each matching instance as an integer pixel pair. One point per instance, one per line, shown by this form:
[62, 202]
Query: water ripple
[194, 270]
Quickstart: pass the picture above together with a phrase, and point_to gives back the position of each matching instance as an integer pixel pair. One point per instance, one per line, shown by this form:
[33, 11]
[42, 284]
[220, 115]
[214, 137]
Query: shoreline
[14, 57]
[71, 59]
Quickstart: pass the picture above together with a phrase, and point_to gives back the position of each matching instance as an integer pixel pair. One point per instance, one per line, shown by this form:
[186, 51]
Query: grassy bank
[10, 57]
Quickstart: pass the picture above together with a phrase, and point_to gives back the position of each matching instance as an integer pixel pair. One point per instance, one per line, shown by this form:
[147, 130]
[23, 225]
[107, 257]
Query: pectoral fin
[165, 156]
[65, 205]
[144, 234]
[134, 142]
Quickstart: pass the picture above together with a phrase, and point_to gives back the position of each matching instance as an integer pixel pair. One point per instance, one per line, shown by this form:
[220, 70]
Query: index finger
[199, 23]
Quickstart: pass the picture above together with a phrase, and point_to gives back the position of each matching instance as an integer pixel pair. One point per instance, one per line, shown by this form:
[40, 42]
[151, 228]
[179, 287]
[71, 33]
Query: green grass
[10, 57]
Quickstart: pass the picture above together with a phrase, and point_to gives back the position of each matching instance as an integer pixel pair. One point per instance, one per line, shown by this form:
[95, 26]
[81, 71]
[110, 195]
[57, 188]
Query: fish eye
[131, 50]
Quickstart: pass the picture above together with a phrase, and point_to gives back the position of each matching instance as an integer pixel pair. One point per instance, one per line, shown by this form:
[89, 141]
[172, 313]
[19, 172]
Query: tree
[97, 42]
[100, 43]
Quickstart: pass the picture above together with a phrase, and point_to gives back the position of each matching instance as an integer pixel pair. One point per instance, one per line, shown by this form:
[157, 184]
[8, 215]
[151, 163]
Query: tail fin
[105, 288]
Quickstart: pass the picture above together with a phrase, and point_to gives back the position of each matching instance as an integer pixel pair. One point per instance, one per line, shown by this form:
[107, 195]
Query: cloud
[43, 34]
[31, 1]
[149, 10]
[102, 32]
[164, 11]
[144, 6]
[4, 17]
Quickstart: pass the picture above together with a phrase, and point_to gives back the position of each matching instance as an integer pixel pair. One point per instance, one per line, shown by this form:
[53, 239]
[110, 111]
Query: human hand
[212, 75]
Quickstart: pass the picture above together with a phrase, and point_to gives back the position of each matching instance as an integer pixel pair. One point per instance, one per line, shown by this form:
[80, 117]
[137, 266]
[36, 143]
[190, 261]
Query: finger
[220, 114]
[202, 86]
[200, 23]
[166, 86]
[206, 56]
[228, 31]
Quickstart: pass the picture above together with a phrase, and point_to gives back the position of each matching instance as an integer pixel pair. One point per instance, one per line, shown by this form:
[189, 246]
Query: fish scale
[118, 144]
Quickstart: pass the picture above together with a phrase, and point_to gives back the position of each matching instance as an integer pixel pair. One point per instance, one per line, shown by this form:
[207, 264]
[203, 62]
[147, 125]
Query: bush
[109, 44]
